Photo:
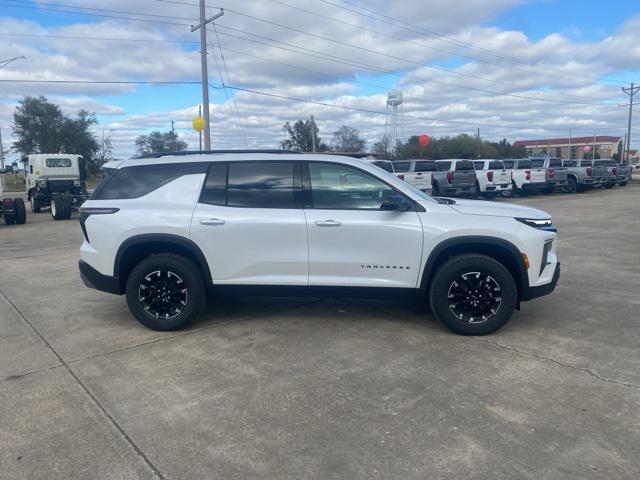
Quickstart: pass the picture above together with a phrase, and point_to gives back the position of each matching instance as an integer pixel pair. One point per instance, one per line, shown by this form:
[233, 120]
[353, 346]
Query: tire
[180, 272]
[522, 192]
[66, 201]
[9, 218]
[548, 190]
[609, 185]
[436, 189]
[21, 211]
[572, 185]
[489, 195]
[35, 205]
[623, 184]
[448, 280]
[57, 207]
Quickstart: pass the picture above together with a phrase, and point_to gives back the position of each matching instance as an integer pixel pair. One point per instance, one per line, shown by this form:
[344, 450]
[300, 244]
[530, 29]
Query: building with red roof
[603, 146]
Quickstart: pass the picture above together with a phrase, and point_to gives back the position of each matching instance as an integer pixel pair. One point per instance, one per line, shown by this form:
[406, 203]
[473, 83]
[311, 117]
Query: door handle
[211, 221]
[328, 223]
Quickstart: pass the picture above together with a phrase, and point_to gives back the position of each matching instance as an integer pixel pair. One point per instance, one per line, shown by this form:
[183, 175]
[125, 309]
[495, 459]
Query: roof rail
[199, 152]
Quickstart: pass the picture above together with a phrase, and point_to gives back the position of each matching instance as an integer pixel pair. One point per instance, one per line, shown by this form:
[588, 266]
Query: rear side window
[401, 167]
[139, 180]
[443, 166]
[425, 167]
[508, 164]
[464, 165]
[58, 162]
[215, 186]
[478, 165]
[261, 185]
[537, 163]
[496, 165]
[555, 162]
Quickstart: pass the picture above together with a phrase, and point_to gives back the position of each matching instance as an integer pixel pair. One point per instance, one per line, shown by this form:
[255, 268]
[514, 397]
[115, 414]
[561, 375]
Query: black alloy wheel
[162, 294]
[474, 297]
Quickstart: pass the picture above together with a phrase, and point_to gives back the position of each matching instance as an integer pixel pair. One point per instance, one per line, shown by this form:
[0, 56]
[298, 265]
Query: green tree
[159, 142]
[41, 127]
[347, 139]
[299, 136]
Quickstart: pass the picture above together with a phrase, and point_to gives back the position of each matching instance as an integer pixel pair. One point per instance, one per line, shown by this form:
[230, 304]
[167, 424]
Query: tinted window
[443, 166]
[537, 163]
[401, 167]
[570, 163]
[464, 165]
[496, 165]
[261, 185]
[508, 164]
[136, 181]
[524, 164]
[478, 165]
[215, 186]
[342, 187]
[425, 167]
[585, 163]
[58, 162]
[387, 166]
[555, 162]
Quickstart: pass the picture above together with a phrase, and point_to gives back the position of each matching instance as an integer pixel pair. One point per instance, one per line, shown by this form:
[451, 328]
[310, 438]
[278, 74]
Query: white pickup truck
[492, 178]
[524, 178]
[416, 172]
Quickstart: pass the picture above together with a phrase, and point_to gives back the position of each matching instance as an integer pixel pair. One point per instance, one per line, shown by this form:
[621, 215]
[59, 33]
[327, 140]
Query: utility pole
[313, 135]
[173, 136]
[569, 144]
[478, 143]
[200, 132]
[205, 74]
[631, 91]
[1, 153]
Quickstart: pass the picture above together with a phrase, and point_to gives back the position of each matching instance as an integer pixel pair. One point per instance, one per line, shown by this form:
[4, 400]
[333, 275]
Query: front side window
[138, 180]
[341, 187]
[261, 185]
[58, 162]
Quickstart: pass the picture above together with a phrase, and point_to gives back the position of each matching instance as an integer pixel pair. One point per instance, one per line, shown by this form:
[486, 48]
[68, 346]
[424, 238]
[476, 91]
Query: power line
[98, 82]
[445, 39]
[107, 39]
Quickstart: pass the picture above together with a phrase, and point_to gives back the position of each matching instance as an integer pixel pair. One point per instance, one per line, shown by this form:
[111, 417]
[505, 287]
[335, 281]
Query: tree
[158, 142]
[383, 146]
[41, 127]
[105, 151]
[299, 136]
[347, 139]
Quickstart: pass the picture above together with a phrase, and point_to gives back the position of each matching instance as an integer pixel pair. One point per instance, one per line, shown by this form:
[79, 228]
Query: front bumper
[529, 293]
[94, 279]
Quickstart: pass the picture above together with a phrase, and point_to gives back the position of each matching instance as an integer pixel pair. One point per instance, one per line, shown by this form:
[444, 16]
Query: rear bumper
[533, 186]
[94, 279]
[457, 189]
[529, 293]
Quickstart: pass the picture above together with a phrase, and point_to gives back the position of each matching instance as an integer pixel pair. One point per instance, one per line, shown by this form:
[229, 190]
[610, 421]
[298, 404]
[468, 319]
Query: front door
[352, 242]
[249, 227]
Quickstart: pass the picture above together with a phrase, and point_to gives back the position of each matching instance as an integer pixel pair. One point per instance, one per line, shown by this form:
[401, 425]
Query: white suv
[172, 230]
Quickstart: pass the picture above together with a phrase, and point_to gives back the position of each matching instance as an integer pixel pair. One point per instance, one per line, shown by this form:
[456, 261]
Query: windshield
[464, 165]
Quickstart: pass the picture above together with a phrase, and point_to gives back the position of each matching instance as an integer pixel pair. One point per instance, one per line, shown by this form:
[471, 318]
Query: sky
[514, 69]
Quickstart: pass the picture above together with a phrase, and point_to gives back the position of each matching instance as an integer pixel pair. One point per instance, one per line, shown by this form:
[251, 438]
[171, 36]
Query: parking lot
[334, 388]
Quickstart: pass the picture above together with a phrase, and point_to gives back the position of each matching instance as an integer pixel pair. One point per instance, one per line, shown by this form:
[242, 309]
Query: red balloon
[424, 139]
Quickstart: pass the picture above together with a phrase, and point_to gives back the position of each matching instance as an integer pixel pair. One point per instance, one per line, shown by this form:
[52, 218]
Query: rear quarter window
[401, 167]
[524, 164]
[139, 180]
[555, 162]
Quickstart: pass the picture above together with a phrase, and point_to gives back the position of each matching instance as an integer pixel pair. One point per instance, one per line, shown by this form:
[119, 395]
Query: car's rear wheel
[572, 185]
[9, 218]
[66, 201]
[20, 211]
[36, 206]
[473, 294]
[436, 189]
[165, 292]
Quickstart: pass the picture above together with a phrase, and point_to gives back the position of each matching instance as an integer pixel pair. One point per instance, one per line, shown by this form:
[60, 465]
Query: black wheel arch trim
[521, 278]
[168, 239]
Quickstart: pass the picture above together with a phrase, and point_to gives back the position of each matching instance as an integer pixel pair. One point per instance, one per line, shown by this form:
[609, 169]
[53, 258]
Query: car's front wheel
[473, 294]
[166, 292]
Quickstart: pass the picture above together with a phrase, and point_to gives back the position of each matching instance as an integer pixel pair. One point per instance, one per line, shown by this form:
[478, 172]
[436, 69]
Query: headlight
[539, 224]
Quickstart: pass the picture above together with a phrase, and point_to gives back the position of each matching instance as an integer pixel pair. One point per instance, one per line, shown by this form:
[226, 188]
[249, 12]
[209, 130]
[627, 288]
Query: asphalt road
[325, 389]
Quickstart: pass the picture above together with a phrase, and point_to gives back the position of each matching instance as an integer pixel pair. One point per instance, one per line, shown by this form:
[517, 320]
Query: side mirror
[395, 203]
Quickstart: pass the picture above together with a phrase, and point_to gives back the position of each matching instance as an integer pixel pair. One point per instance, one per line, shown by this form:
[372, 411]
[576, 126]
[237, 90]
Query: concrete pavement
[310, 388]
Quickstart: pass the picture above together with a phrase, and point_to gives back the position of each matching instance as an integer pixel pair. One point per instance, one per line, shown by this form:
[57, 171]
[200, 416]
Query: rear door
[352, 242]
[250, 224]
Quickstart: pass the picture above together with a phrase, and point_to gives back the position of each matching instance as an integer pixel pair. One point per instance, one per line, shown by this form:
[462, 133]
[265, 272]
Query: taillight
[551, 173]
[450, 177]
[401, 177]
[527, 175]
[614, 171]
[490, 176]
[588, 171]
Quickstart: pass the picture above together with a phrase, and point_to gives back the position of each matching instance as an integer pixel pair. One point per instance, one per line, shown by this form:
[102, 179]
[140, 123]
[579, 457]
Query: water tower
[394, 102]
